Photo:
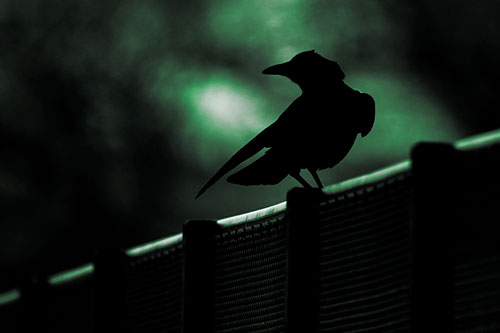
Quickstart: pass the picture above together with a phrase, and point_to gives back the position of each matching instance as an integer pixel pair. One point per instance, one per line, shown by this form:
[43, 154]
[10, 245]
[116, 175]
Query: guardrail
[410, 248]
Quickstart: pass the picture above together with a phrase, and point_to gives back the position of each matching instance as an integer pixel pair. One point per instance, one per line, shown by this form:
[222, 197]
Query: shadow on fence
[410, 248]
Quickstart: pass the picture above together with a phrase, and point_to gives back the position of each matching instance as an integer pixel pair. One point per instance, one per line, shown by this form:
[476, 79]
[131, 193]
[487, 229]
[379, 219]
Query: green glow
[222, 100]
[71, 274]
[256, 25]
[478, 140]
[242, 218]
[222, 111]
[9, 297]
[153, 246]
[225, 106]
[407, 113]
[214, 107]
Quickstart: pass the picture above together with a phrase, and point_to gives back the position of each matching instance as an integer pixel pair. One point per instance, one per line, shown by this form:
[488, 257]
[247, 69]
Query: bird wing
[367, 108]
[272, 135]
[255, 145]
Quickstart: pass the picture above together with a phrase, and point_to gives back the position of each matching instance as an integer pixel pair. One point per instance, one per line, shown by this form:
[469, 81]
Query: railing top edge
[9, 296]
[332, 189]
[369, 178]
[479, 140]
[71, 274]
[154, 245]
[252, 216]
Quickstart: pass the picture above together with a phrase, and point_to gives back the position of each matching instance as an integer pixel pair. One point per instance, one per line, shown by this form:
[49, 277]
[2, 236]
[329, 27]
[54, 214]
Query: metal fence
[411, 248]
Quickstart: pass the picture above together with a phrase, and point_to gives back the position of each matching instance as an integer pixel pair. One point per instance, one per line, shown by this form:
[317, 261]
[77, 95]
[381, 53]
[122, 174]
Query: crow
[315, 132]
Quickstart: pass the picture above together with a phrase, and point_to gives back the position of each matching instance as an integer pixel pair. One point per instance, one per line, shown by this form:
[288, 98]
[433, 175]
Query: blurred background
[114, 113]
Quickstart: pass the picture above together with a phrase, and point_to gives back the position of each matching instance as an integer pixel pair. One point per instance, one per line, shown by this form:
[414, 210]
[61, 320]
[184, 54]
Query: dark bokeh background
[114, 113]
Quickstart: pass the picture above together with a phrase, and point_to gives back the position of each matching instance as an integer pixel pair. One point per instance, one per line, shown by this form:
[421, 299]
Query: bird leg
[300, 179]
[316, 178]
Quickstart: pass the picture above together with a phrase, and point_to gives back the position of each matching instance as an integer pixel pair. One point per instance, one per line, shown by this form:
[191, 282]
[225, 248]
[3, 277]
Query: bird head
[308, 68]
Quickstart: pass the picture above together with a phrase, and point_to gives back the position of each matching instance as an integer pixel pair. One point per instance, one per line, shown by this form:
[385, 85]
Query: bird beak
[281, 69]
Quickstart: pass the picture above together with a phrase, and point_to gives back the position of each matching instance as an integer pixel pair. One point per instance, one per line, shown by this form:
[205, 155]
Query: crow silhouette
[315, 132]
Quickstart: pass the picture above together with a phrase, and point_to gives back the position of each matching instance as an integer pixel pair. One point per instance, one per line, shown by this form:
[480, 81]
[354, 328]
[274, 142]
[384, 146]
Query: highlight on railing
[410, 248]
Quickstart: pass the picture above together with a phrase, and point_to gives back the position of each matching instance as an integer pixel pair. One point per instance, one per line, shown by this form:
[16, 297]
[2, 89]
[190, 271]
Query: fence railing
[410, 248]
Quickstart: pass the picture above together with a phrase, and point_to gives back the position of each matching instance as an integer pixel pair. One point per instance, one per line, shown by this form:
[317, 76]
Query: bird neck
[322, 87]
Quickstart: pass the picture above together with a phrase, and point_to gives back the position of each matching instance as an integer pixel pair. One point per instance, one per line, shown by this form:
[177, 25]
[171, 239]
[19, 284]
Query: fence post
[433, 166]
[302, 291]
[198, 237]
[109, 291]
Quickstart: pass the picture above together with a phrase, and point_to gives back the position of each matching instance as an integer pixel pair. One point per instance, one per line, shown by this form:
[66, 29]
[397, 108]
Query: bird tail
[267, 170]
[247, 151]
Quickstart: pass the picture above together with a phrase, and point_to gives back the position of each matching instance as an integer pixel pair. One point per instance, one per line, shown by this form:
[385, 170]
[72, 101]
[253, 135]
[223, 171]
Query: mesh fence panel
[476, 256]
[365, 250]
[249, 276]
[153, 283]
[476, 303]
[365, 258]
